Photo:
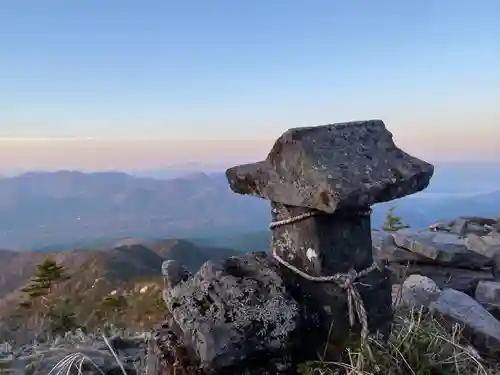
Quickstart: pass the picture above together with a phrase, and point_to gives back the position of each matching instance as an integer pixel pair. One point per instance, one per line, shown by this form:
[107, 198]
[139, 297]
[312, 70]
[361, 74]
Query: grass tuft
[73, 361]
[418, 345]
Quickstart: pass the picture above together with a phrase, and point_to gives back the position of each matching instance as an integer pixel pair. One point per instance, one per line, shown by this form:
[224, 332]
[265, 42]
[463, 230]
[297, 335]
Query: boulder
[481, 327]
[236, 316]
[440, 248]
[454, 307]
[419, 291]
[385, 249]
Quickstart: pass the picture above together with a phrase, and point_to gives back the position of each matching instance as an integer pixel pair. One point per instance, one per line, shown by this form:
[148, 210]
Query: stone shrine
[321, 182]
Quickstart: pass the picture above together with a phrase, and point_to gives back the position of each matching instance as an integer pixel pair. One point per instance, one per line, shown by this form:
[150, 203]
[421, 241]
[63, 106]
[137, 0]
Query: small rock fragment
[488, 295]
[419, 291]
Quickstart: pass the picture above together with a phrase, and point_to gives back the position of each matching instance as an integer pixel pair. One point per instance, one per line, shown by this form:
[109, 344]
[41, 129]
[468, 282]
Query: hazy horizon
[142, 154]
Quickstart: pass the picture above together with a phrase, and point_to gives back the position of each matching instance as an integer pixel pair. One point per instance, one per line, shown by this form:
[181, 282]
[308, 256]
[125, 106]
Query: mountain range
[41, 209]
[54, 211]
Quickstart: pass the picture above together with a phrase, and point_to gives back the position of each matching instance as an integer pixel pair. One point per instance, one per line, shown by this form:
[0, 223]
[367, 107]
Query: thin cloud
[137, 139]
[43, 139]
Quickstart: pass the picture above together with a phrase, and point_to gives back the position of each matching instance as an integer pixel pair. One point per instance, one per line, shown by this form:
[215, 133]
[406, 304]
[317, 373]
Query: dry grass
[75, 362]
[418, 345]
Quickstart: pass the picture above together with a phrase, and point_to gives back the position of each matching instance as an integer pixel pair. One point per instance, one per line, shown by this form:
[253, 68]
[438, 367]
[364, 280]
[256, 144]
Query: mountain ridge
[67, 209]
[41, 209]
[97, 275]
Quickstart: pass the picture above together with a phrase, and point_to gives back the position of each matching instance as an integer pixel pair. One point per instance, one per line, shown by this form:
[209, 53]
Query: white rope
[307, 215]
[293, 219]
[345, 281]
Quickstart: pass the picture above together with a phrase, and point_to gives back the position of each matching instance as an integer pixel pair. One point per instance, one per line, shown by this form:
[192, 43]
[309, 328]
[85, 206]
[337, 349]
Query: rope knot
[346, 280]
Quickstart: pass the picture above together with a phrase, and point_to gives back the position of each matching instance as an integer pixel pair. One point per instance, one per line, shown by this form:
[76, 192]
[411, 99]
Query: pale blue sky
[247, 69]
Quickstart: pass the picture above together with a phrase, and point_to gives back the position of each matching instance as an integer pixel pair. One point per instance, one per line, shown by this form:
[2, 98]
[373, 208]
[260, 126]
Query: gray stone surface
[477, 229]
[237, 316]
[379, 238]
[459, 227]
[385, 249]
[479, 220]
[495, 268]
[330, 167]
[173, 273]
[487, 245]
[479, 325]
[496, 225]
[441, 226]
[440, 248]
[488, 294]
[419, 291]
[445, 277]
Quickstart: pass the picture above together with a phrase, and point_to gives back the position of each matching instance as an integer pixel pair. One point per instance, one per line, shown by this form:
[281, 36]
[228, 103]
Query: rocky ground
[93, 354]
[450, 271]
[456, 254]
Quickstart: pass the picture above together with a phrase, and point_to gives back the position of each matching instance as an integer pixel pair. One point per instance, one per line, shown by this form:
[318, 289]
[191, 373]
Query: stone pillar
[335, 173]
[325, 245]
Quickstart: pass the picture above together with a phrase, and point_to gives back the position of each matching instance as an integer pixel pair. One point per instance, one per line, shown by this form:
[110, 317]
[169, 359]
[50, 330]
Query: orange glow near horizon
[126, 154]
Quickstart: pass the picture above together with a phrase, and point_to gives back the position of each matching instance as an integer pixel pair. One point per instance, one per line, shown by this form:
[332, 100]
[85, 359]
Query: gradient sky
[244, 70]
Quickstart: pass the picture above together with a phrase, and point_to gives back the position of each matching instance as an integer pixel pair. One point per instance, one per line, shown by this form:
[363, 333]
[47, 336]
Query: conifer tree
[47, 275]
[62, 318]
[393, 223]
